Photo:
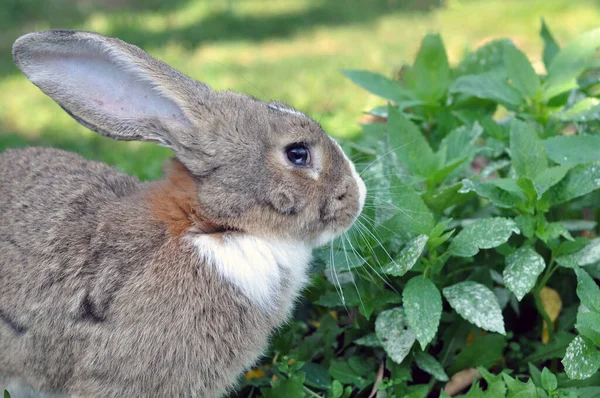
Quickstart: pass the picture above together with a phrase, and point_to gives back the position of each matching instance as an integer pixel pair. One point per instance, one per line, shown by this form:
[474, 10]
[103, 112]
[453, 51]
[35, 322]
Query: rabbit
[112, 287]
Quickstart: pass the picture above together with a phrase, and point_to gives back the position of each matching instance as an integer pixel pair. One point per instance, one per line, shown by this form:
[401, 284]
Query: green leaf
[554, 349]
[580, 180]
[551, 47]
[429, 364]
[549, 92]
[527, 225]
[502, 192]
[292, 387]
[582, 359]
[526, 150]
[450, 168]
[527, 187]
[413, 216]
[553, 231]
[417, 391]
[395, 338]
[369, 340]
[496, 385]
[343, 372]
[477, 304]
[491, 86]
[444, 198]
[520, 72]
[586, 110]
[549, 380]
[456, 152]
[379, 85]
[587, 255]
[409, 144]
[373, 298]
[484, 351]
[587, 290]
[517, 389]
[485, 233]
[336, 389]
[588, 324]
[437, 236]
[348, 296]
[522, 269]
[407, 258]
[579, 225]
[316, 376]
[460, 141]
[344, 259]
[486, 58]
[423, 306]
[581, 392]
[431, 71]
[549, 178]
[6, 394]
[573, 149]
[572, 60]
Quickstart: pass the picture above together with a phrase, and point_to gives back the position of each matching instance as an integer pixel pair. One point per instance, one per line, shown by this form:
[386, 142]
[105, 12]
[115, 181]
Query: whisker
[380, 225]
[353, 281]
[385, 154]
[377, 241]
[335, 276]
[325, 110]
[383, 279]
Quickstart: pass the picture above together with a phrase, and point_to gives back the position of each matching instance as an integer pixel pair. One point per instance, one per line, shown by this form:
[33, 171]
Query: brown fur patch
[174, 202]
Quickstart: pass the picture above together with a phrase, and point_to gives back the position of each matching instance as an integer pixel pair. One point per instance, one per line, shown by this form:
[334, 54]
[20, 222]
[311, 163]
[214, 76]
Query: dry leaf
[552, 305]
[460, 381]
[255, 373]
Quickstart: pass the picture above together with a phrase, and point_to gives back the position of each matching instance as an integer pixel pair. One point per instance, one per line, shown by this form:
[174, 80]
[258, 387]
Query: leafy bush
[476, 254]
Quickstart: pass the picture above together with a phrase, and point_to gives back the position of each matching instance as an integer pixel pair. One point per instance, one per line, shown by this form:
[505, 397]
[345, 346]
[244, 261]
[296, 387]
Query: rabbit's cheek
[283, 201]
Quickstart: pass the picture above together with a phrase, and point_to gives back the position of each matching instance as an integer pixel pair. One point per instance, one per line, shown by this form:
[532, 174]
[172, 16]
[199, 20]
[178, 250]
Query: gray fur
[97, 299]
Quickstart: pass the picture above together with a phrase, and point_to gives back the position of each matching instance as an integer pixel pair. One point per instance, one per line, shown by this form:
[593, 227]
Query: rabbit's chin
[327, 237]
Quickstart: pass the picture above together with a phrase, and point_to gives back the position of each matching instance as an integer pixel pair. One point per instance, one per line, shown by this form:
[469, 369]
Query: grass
[291, 50]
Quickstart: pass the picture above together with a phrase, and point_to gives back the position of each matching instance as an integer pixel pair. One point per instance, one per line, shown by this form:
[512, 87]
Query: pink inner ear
[92, 78]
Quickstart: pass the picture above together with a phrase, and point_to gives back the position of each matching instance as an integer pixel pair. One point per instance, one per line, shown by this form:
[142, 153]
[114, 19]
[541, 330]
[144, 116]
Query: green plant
[477, 247]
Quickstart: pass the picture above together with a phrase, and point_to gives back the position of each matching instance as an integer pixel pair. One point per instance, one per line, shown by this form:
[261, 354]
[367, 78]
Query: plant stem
[430, 385]
[548, 274]
[311, 392]
[538, 298]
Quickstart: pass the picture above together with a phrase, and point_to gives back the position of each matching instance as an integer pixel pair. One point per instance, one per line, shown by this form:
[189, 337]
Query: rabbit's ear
[109, 86]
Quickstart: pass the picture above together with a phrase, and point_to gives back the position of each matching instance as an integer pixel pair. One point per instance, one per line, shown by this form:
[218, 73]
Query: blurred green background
[291, 50]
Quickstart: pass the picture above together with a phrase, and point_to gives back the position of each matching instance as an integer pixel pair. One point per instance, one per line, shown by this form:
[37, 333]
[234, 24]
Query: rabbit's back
[98, 298]
[51, 204]
[44, 190]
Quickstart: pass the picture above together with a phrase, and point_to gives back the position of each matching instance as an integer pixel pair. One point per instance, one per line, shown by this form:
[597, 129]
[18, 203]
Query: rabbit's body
[104, 259]
[120, 283]
[110, 287]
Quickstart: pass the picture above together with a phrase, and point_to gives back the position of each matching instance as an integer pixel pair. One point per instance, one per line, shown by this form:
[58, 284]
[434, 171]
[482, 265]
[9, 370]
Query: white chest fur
[258, 267]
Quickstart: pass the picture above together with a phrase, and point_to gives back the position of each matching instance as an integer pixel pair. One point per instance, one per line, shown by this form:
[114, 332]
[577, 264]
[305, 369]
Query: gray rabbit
[110, 287]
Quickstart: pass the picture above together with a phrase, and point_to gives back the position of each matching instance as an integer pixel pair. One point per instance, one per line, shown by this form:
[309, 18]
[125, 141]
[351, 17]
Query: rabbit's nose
[343, 200]
[344, 190]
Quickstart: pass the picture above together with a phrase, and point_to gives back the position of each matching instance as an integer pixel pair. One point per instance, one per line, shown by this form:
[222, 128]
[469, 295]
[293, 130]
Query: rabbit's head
[259, 167]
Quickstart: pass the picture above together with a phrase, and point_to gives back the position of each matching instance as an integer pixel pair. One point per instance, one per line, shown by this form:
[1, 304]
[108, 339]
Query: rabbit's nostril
[345, 190]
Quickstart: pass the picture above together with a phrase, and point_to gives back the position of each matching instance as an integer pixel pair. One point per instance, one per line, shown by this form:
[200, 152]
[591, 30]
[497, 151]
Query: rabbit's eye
[298, 154]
